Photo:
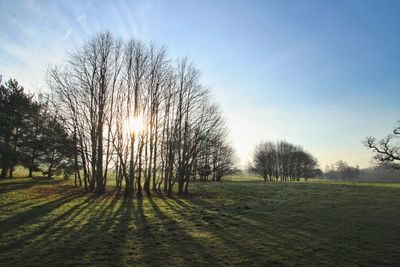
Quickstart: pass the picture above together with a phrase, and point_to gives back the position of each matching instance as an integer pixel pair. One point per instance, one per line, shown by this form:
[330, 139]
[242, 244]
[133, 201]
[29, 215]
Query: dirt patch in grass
[60, 190]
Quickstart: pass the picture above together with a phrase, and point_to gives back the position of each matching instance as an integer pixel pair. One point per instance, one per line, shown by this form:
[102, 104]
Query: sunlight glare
[135, 124]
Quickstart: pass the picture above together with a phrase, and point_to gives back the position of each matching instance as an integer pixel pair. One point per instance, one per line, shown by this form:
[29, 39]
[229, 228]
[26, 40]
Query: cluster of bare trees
[139, 117]
[282, 161]
[342, 171]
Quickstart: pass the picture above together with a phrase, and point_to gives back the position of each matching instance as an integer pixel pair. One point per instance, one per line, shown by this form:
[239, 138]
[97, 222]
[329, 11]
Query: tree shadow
[68, 228]
[68, 236]
[167, 241]
[236, 238]
[36, 212]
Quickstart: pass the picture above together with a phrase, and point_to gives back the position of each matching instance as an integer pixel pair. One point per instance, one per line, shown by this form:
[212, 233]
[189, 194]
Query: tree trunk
[11, 170]
[4, 172]
[148, 173]
[50, 171]
[155, 157]
[100, 188]
[139, 179]
[130, 181]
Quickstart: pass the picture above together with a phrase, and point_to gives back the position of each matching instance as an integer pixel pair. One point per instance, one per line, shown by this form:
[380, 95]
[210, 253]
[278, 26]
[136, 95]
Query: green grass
[242, 222]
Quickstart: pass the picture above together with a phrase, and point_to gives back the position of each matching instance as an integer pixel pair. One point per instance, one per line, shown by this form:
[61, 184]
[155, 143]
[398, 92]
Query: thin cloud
[81, 17]
[78, 20]
[68, 33]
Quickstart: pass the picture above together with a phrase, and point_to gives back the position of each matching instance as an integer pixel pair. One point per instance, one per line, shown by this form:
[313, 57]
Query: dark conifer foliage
[31, 134]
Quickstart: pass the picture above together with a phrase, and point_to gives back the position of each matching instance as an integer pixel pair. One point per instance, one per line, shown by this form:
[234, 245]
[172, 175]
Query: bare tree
[84, 88]
[387, 150]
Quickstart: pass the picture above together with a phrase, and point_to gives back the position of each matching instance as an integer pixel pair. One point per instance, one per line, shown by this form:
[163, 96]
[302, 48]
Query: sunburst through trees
[139, 116]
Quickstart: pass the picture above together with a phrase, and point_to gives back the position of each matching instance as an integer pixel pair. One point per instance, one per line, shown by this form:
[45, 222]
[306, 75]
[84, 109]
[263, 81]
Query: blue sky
[322, 74]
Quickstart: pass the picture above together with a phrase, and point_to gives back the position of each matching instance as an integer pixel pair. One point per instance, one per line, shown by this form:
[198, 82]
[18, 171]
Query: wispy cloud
[68, 33]
[81, 17]
[78, 20]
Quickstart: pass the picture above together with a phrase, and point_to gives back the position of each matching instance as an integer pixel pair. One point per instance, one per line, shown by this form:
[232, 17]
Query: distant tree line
[283, 161]
[31, 134]
[341, 171]
[129, 108]
[380, 172]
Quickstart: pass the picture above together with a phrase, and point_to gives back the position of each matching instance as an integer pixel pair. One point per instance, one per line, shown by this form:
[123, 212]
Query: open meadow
[199, 133]
[241, 222]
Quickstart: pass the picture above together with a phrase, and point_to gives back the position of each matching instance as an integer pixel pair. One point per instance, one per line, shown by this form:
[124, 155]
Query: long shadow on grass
[24, 202]
[108, 230]
[39, 235]
[36, 212]
[69, 237]
[324, 224]
[236, 238]
[86, 238]
[173, 243]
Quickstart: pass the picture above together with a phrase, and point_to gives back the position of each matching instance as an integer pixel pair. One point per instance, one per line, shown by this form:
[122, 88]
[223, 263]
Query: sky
[320, 74]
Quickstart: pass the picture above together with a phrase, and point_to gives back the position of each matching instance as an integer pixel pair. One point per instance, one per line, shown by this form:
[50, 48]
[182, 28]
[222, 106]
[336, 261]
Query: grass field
[242, 222]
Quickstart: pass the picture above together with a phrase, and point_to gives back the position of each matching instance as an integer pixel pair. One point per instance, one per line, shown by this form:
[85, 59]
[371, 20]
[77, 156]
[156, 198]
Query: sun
[134, 124]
